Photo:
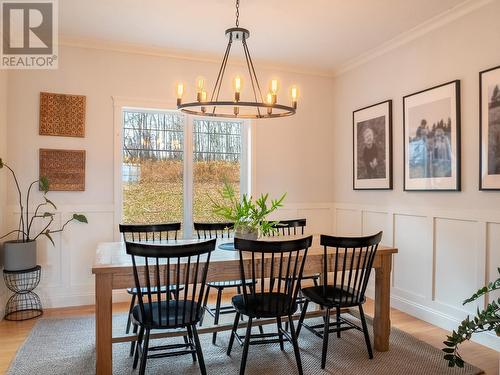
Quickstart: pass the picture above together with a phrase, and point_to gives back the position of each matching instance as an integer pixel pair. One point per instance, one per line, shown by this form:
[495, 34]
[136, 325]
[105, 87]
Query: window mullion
[188, 177]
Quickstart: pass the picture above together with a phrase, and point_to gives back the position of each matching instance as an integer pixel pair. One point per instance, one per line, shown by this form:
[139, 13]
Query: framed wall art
[62, 115]
[489, 129]
[65, 169]
[431, 133]
[372, 147]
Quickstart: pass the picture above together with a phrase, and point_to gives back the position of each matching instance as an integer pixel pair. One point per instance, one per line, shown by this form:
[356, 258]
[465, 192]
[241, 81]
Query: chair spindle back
[213, 230]
[351, 260]
[290, 227]
[177, 265]
[149, 232]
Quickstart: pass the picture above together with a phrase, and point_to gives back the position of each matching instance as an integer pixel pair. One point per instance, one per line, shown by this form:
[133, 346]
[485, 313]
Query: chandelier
[236, 108]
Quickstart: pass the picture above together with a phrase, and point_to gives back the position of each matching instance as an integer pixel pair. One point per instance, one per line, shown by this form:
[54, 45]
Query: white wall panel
[319, 221]
[456, 267]
[493, 245]
[374, 222]
[348, 222]
[412, 268]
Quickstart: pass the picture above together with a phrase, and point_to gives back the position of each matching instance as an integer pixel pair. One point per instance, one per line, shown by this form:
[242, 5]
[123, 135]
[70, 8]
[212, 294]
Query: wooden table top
[112, 257]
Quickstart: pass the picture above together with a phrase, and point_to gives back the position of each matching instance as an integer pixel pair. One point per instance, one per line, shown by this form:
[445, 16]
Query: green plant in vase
[20, 254]
[486, 320]
[248, 215]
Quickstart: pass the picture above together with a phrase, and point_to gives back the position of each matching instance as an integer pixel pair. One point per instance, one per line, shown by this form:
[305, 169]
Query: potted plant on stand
[20, 254]
[249, 216]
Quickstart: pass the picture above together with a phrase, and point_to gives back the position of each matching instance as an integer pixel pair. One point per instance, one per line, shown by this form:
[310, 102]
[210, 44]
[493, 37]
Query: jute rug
[66, 346]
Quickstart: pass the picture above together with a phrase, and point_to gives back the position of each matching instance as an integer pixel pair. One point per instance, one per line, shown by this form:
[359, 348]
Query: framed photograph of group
[431, 133]
[372, 147]
[489, 129]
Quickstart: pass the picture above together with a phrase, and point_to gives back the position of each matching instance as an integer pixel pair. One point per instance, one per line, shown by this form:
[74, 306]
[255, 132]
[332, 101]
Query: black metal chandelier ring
[204, 111]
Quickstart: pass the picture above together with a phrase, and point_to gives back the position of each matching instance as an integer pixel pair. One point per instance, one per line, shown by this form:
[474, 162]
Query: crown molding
[406, 37]
[131, 48]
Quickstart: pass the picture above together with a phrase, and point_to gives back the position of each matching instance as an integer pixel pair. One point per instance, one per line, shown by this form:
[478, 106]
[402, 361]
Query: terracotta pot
[19, 255]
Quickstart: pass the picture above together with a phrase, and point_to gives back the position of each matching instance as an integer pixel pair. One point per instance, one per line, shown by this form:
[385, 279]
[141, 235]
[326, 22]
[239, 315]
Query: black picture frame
[483, 165]
[386, 183]
[457, 179]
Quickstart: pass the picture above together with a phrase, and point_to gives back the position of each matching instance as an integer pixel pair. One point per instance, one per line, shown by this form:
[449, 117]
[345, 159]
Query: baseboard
[438, 319]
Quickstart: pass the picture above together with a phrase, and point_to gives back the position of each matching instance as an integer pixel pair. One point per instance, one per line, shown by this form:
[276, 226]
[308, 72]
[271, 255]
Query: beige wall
[3, 174]
[292, 154]
[448, 242]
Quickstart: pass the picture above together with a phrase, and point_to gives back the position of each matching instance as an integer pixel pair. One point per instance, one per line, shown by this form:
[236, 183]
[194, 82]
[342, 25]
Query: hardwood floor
[13, 334]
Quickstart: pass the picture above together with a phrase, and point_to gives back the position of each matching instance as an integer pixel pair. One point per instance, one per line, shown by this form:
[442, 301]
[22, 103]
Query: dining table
[113, 270]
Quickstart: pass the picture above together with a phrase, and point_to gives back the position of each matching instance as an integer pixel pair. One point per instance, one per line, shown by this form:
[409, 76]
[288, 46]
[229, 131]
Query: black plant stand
[24, 304]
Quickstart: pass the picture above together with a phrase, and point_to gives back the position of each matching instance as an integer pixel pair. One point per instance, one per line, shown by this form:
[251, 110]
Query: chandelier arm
[250, 73]
[224, 59]
[223, 71]
[253, 69]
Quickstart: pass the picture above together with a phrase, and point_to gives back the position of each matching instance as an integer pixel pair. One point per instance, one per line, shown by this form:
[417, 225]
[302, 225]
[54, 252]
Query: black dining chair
[277, 261]
[296, 227]
[148, 233]
[351, 260]
[156, 265]
[218, 230]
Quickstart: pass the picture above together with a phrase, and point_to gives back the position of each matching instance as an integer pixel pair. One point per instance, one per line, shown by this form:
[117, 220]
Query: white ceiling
[317, 34]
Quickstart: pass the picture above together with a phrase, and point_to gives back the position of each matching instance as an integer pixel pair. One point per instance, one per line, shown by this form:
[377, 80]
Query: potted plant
[484, 321]
[20, 254]
[249, 216]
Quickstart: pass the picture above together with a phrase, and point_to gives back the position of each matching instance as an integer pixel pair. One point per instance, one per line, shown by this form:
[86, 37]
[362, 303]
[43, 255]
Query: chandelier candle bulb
[237, 88]
[270, 102]
[294, 97]
[203, 97]
[200, 84]
[180, 92]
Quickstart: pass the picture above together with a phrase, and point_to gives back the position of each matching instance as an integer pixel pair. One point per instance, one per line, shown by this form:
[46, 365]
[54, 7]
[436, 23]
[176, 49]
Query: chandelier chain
[237, 13]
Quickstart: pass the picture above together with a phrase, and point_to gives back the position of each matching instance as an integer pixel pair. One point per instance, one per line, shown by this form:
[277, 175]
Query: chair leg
[246, 346]
[325, 338]
[133, 343]
[144, 354]
[365, 332]
[139, 342]
[338, 321]
[233, 333]
[190, 334]
[280, 334]
[217, 313]
[295, 344]
[205, 301]
[302, 316]
[199, 352]
[129, 320]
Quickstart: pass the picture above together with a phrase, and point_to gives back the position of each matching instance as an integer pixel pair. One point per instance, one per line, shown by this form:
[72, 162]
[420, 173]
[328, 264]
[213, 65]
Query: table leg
[382, 318]
[103, 313]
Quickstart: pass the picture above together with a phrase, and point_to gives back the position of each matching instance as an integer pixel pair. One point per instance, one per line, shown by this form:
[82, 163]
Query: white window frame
[247, 180]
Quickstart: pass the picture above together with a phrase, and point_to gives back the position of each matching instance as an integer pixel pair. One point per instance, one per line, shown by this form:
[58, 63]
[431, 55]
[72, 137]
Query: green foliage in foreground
[484, 321]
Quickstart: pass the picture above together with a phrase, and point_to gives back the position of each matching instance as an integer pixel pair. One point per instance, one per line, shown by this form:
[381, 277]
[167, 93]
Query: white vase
[19, 255]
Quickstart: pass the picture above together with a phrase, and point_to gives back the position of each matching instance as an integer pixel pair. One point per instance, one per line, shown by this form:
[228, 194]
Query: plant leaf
[47, 234]
[48, 201]
[80, 218]
[1, 163]
[44, 184]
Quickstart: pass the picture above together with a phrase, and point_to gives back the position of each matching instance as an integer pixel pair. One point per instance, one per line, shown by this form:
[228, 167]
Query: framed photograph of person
[431, 133]
[372, 147]
[489, 129]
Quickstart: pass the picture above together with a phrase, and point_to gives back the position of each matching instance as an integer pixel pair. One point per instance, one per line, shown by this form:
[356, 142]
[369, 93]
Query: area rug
[66, 346]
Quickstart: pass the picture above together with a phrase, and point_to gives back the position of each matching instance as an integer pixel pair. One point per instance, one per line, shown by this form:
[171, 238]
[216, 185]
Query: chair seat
[229, 283]
[163, 289]
[264, 305]
[170, 314]
[330, 296]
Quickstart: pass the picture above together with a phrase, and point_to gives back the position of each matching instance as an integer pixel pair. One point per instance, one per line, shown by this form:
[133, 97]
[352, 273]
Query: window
[162, 183]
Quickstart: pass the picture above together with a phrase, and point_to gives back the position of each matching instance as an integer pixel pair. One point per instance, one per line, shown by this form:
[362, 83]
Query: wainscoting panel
[493, 256]
[444, 256]
[456, 264]
[318, 220]
[348, 222]
[412, 269]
